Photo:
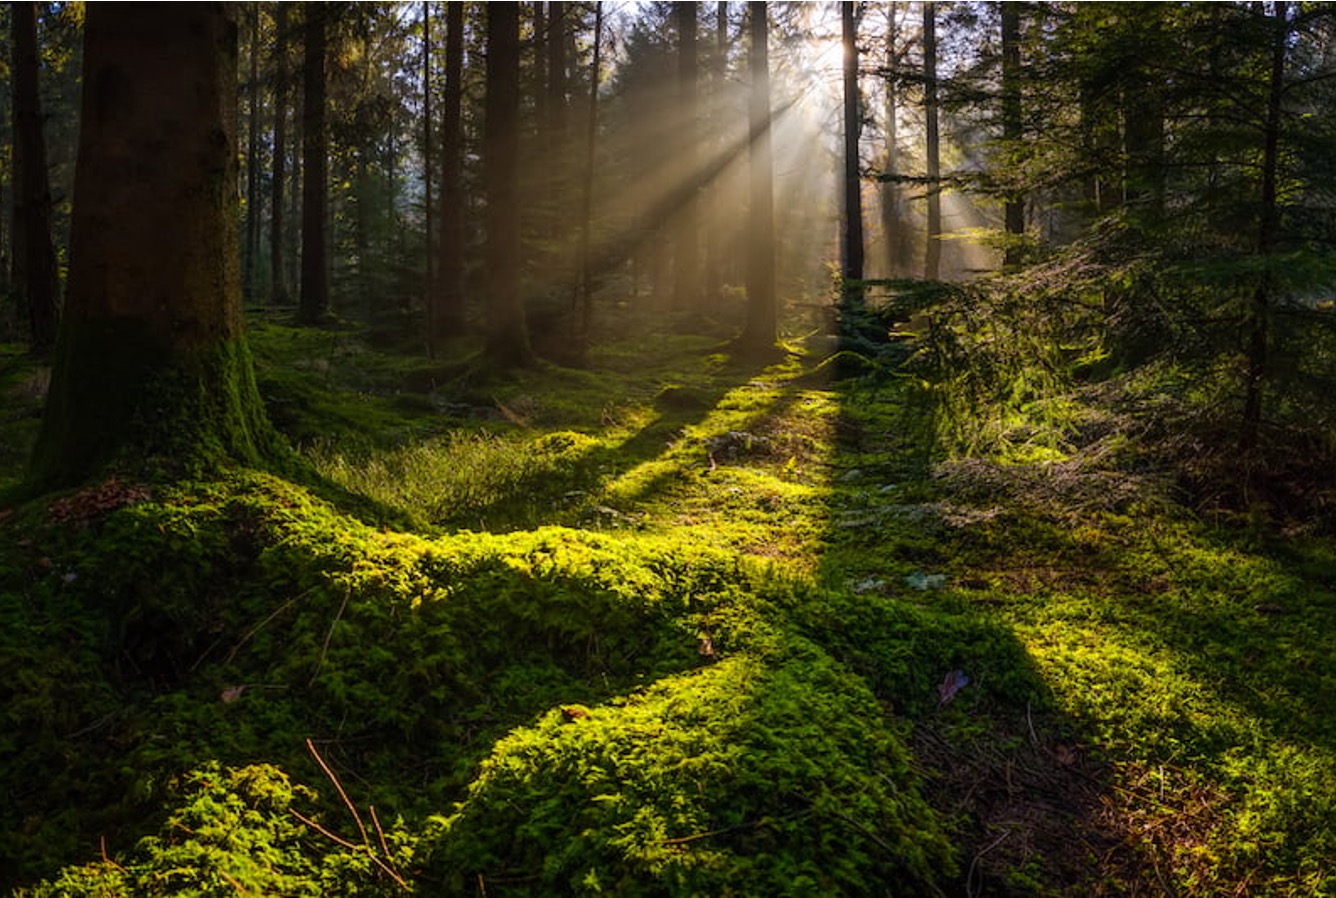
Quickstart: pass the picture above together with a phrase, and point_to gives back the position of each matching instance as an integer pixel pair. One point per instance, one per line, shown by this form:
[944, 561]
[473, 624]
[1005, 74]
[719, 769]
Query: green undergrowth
[212, 627]
[672, 625]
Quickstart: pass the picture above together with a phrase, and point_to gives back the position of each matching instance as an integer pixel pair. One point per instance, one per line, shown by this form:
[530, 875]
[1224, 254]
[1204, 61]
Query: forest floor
[1094, 689]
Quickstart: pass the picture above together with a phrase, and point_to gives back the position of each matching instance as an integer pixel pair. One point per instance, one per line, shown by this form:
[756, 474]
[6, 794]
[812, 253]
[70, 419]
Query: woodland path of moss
[718, 672]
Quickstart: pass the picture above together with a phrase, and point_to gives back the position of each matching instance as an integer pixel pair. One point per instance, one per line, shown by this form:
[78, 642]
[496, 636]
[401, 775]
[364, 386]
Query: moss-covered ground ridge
[672, 626]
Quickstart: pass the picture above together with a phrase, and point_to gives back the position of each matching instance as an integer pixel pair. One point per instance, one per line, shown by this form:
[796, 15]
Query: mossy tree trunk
[152, 368]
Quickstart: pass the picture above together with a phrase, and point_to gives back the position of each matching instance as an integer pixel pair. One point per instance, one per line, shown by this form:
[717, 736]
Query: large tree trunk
[314, 305]
[932, 264]
[851, 253]
[152, 367]
[35, 276]
[508, 335]
[448, 319]
[278, 282]
[761, 330]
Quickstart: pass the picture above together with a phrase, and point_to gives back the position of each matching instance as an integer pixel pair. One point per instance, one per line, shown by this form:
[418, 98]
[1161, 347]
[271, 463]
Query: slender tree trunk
[1268, 222]
[932, 265]
[852, 232]
[278, 282]
[893, 224]
[541, 37]
[449, 294]
[248, 279]
[1012, 124]
[762, 327]
[428, 210]
[507, 337]
[152, 367]
[314, 305]
[718, 200]
[686, 243]
[558, 110]
[36, 280]
[587, 187]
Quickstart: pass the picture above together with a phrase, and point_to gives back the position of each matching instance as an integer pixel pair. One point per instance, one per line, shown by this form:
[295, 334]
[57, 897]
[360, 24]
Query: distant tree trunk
[586, 286]
[557, 111]
[314, 306]
[1014, 209]
[762, 327]
[1144, 133]
[1258, 314]
[36, 280]
[428, 210]
[278, 283]
[852, 232]
[152, 366]
[718, 201]
[932, 264]
[540, 42]
[893, 224]
[449, 293]
[252, 159]
[686, 245]
[508, 336]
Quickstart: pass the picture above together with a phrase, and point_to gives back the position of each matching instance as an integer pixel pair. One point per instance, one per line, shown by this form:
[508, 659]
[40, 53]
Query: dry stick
[339, 840]
[352, 808]
[969, 876]
[258, 627]
[379, 831]
[232, 881]
[324, 649]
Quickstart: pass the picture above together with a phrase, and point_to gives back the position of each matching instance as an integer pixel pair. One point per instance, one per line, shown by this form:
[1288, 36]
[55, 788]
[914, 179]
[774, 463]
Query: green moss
[121, 399]
[765, 774]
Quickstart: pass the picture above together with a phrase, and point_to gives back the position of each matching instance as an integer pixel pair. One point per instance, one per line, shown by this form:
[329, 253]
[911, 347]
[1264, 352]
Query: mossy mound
[217, 627]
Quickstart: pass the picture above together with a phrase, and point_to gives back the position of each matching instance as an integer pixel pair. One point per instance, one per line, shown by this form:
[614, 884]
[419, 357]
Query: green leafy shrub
[233, 832]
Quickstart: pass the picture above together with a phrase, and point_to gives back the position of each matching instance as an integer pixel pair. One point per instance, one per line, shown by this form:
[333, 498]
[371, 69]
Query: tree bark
[1012, 125]
[449, 293]
[252, 159]
[851, 271]
[686, 242]
[152, 368]
[428, 210]
[761, 329]
[932, 264]
[508, 337]
[278, 283]
[718, 200]
[1268, 222]
[314, 303]
[586, 287]
[893, 224]
[36, 280]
